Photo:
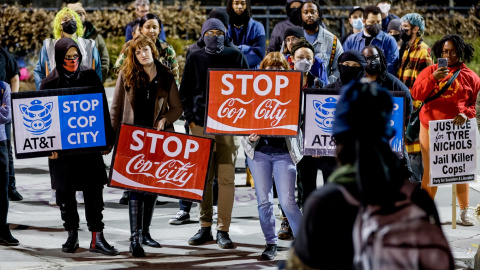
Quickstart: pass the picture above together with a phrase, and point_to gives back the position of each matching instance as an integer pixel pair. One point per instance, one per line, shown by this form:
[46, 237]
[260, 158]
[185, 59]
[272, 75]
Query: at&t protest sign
[73, 120]
[319, 118]
[453, 155]
[243, 102]
[165, 163]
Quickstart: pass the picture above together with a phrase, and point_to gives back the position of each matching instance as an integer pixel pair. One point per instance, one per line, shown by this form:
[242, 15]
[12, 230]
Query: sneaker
[180, 218]
[15, 196]
[465, 218]
[7, 239]
[79, 197]
[53, 199]
[203, 236]
[223, 240]
[270, 252]
[285, 231]
[215, 212]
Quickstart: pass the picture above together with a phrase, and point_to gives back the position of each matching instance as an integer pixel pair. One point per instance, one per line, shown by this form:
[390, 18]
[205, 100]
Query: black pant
[187, 205]
[93, 197]
[11, 170]
[307, 175]
[3, 185]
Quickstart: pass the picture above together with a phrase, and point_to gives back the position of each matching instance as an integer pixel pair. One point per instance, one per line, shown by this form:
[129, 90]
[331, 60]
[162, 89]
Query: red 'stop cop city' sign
[253, 101]
[166, 163]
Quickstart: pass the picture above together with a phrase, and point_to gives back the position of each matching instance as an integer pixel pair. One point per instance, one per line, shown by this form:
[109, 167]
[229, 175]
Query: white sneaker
[215, 212]
[181, 217]
[79, 197]
[53, 199]
[465, 218]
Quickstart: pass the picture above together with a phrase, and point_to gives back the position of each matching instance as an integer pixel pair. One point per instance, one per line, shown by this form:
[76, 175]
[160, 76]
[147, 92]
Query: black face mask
[396, 37]
[373, 67]
[348, 74]
[214, 45]
[294, 16]
[404, 35]
[70, 27]
[373, 29]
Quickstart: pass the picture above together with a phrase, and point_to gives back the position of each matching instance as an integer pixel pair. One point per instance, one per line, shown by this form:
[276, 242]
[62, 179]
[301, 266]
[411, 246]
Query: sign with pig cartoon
[265, 102]
[320, 107]
[69, 120]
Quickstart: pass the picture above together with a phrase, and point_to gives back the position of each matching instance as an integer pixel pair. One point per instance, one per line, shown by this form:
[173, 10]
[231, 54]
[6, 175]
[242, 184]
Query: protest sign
[165, 163]
[453, 154]
[74, 120]
[242, 102]
[320, 110]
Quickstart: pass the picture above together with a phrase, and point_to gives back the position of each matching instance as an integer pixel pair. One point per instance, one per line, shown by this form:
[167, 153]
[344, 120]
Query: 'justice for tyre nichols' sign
[453, 156]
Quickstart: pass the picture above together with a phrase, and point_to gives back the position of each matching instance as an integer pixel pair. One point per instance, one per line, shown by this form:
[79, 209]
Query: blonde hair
[274, 59]
[57, 22]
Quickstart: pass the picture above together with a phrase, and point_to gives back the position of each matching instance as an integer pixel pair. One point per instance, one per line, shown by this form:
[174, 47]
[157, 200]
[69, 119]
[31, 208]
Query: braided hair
[464, 50]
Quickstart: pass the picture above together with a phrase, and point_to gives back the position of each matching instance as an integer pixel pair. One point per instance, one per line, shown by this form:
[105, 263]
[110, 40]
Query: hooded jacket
[46, 58]
[251, 42]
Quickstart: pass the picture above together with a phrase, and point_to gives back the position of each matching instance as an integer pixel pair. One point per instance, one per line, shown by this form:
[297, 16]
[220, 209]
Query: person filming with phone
[449, 91]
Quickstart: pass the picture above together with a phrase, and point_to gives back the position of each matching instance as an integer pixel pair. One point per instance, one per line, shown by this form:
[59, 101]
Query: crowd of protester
[382, 51]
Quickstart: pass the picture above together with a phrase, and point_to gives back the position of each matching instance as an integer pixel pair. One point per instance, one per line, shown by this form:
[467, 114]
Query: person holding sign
[145, 95]
[78, 172]
[459, 86]
[193, 93]
[273, 159]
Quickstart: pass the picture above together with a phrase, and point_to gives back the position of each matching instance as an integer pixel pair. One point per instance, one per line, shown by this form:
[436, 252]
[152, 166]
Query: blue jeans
[284, 172]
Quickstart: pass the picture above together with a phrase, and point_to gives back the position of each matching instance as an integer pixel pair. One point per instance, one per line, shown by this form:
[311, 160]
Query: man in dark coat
[68, 172]
[193, 94]
[293, 14]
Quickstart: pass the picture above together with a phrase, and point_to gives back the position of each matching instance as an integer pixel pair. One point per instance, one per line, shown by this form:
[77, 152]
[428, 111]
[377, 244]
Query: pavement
[39, 229]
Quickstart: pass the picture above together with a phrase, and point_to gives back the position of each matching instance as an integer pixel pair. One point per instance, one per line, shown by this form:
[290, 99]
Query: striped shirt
[414, 60]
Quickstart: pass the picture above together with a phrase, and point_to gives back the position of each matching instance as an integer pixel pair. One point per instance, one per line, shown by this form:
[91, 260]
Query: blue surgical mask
[358, 24]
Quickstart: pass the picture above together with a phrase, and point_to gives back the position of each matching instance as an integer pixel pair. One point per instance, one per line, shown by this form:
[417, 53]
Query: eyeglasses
[371, 58]
[449, 53]
[71, 57]
[212, 33]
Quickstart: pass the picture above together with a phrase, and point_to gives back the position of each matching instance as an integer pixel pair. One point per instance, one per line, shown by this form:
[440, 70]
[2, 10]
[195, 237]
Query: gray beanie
[394, 25]
[213, 24]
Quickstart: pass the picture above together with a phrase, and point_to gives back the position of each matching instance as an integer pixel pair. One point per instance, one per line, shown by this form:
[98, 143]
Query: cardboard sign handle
[454, 206]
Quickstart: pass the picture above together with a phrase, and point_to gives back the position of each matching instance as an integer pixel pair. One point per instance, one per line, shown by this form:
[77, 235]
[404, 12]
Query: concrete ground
[39, 229]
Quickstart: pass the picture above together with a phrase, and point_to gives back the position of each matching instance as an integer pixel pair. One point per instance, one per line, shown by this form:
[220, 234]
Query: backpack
[404, 237]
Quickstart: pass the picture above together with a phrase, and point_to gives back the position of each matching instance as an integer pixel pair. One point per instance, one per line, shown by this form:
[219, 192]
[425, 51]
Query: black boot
[135, 208]
[100, 245]
[124, 199]
[148, 208]
[72, 242]
[223, 240]
[203, 236]
[6, 237]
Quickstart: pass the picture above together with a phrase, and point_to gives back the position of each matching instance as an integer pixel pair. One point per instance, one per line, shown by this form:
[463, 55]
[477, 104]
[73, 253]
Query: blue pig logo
[37, 118]
[325, 113]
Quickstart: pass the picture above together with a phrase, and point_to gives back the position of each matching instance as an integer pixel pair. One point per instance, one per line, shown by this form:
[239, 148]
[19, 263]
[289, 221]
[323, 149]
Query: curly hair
[464, 50]
[415, 19]
[57, 22]
[133, 72]
[274, 59]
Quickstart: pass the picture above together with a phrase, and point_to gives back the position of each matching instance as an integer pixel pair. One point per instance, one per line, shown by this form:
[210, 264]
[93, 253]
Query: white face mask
[384, 7]
[303, 65]
[358, 23]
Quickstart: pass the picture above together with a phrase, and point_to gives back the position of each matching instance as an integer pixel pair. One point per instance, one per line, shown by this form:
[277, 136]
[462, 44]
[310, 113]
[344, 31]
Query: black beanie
[295, 31]
[220, 14]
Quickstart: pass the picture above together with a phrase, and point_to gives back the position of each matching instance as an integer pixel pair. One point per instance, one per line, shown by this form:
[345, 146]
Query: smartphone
[442, 62]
